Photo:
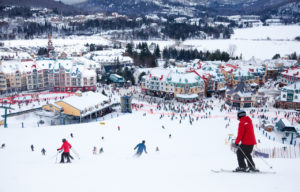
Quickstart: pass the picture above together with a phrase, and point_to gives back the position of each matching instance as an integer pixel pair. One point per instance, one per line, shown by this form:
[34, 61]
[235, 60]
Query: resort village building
[289, 97]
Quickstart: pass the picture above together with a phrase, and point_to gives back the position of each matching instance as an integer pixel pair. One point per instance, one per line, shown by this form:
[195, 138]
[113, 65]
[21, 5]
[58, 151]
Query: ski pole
[54, 155]
[74, 151]
[270, 167]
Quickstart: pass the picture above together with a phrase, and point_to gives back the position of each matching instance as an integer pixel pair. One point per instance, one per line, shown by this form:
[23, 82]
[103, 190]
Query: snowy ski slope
[182, 164]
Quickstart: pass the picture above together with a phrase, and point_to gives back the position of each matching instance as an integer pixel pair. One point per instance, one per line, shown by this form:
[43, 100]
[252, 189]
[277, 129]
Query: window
[236, 97]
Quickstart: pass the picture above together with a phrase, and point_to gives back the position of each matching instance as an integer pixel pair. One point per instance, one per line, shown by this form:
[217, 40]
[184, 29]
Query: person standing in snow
[140, 148]
[32, 148]
[66, 146]
[43, 151]
[247, 138]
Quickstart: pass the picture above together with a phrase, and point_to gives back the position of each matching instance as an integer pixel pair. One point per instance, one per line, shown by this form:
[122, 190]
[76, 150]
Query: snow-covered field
[281, 32]
[60, 42]
[261, 49]
[68, 44]
[183, 163]
[259, 42]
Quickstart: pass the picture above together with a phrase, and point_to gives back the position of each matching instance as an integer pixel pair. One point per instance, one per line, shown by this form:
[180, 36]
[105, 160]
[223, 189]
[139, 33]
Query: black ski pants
[245, 150]
[65, 155]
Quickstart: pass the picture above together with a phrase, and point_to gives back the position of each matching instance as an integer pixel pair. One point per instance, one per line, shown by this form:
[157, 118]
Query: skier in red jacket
[247, 138]
[66, 146]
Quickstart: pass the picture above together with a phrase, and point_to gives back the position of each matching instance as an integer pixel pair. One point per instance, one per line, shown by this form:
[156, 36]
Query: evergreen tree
[276, 56]
[157, 52]
[129, 48]
[42, 51]
[141, 75]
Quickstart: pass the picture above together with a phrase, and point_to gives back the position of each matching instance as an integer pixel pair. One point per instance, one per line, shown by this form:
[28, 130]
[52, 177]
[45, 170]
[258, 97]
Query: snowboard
[233, 171]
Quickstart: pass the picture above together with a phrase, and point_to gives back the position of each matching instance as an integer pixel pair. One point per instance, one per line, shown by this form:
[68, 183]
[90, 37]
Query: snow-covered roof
[185, 78]
[246, 94]
[275, 63]
[292, 72]
[109, 56]
[286, 122]
[293, 86]
[55, 105]
[87, 102]
[186, 96]
[73, 66]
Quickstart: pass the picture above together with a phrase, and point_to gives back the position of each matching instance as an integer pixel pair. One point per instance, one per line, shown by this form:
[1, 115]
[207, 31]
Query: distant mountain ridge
[50, 4]
[143, 7]
[220, 7]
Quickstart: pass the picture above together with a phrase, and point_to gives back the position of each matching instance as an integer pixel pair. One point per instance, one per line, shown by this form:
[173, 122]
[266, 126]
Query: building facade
[241, 96]
[172, 84]
[65, 75]
[289, 97]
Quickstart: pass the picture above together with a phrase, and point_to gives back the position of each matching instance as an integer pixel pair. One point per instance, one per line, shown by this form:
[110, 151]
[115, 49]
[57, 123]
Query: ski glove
[234, 145]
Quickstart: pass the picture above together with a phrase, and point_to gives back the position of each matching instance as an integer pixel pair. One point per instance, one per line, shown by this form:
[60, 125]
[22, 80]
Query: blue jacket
[140, 148]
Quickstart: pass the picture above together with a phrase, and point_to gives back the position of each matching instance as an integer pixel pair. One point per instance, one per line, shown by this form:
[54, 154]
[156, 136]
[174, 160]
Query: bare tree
[231, 50]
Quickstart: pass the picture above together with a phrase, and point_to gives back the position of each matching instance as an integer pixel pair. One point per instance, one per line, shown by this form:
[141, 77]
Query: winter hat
[241, 113]
[63, 140]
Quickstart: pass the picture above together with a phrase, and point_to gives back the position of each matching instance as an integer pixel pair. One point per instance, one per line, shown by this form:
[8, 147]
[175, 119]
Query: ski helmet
[64, 140]
[241, 113]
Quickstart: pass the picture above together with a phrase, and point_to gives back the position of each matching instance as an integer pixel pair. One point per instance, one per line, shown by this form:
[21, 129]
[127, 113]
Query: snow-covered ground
[281, 32]
[68, 44]
[259, 42]
[183, 163]
[262, 49]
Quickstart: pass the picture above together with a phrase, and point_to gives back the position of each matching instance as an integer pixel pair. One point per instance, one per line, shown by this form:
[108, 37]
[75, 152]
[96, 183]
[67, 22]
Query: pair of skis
[249, 172]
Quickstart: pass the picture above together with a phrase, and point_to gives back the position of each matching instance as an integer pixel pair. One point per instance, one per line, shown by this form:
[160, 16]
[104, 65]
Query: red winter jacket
[246, 132]
[66, 146]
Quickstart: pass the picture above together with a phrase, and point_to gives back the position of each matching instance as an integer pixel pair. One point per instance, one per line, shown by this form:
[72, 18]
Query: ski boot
[252, 169]
[240, 169]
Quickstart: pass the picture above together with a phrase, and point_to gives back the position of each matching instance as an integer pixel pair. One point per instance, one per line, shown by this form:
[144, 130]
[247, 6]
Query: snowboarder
[71, 135]
[43, 151]
[66, 146]
[247, 137]
[140, 148]
[119, 128]
[101, 150]
[32, 148]
[3, 146]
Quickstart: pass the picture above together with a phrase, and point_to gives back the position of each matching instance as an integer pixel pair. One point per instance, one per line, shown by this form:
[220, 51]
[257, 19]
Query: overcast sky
[71, 1]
